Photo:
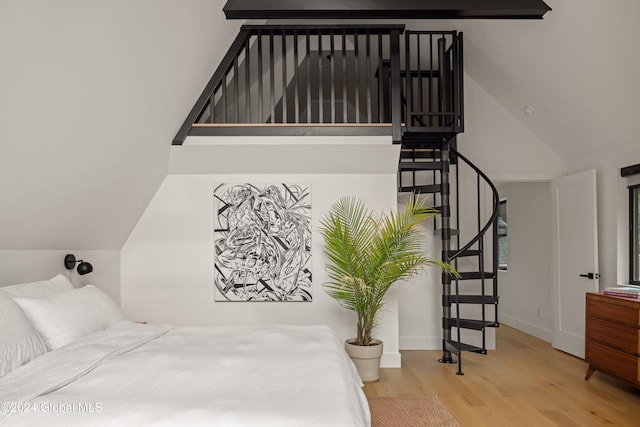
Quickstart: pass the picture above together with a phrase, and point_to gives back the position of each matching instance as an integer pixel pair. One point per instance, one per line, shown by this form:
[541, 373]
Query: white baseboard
[391, 360]
[435, 343]
[420, 343]
[529, 328]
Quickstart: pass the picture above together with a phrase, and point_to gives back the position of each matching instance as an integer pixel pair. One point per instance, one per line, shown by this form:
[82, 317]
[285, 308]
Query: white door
[575, 255]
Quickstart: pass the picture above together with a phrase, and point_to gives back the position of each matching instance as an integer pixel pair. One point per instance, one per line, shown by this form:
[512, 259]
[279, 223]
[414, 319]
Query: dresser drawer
[613, 361]
[622, 337]
[616, 310]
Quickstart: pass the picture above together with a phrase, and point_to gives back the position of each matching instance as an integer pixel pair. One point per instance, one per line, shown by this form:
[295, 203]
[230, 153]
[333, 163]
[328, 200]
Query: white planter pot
[366, 358]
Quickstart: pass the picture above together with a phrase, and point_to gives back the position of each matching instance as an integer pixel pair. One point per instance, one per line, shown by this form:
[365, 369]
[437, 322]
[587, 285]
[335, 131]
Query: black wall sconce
[83, 266]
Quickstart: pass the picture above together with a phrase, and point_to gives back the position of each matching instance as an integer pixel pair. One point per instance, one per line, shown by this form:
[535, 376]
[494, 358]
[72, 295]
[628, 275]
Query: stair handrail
[494, 214]
[244, 38]
[216, 79]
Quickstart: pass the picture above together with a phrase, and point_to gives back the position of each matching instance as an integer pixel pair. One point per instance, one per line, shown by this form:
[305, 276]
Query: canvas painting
[262, 240]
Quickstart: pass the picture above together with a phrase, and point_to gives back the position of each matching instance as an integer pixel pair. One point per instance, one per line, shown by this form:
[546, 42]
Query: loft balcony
[334, 80]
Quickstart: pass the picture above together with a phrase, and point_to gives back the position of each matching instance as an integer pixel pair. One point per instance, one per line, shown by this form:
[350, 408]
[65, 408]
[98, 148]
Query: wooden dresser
[612, 337]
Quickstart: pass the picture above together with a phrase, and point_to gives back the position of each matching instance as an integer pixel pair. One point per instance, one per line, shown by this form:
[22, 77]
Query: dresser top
[612, 299]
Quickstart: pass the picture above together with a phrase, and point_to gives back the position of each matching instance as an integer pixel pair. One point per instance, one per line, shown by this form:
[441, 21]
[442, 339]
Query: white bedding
[137, 375]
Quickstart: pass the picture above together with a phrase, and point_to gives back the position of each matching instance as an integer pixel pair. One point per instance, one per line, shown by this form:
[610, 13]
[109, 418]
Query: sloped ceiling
[92, 93]
[578, 68]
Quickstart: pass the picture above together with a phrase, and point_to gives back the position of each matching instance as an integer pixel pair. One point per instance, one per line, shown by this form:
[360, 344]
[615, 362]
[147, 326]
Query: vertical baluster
[460, 85]
[224, 98]
[320, 78]
[285, 119]
[236, 90]
[396, 85]
[381, 80]
[356, 76]
[369, 76]
[308, 61]
[481, 260]
[296, 89]
[260, 85]
[408, 80]
[247, 81]
[344, 77]
[332, 63]
[212, 108]
[442, 82]
[430, 87]
[420, 88]
[272, 82]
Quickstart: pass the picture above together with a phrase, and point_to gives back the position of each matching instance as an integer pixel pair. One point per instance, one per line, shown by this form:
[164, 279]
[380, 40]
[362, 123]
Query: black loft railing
[433, 81]
[332, 80]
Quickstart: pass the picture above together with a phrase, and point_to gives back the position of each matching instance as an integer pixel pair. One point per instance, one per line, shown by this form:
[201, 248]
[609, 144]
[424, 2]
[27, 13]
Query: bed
[124, 373]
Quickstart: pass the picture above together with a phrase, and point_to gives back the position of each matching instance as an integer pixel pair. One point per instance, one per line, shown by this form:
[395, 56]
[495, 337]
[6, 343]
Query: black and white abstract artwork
[262, 239]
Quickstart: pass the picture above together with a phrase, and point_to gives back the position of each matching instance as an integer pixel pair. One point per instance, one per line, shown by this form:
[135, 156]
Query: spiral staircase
[374, 80]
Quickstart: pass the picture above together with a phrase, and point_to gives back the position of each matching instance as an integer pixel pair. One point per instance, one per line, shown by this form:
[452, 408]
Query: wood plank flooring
[525, 382]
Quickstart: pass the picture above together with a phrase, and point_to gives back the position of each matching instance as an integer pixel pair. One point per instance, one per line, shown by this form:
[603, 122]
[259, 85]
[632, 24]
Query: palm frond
[368, 253]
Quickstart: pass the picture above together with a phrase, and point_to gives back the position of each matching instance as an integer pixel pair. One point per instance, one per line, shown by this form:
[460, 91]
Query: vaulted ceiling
[92, 93]
[578, 69]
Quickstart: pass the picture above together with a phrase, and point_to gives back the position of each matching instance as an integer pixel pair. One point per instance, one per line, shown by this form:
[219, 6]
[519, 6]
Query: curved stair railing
[434, 169]
[480, 297]
[494, 213]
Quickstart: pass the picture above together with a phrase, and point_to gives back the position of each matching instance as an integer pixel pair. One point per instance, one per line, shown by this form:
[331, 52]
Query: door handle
[591, 276]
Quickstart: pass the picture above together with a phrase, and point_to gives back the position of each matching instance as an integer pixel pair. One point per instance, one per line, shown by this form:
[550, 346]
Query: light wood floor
[525, 382]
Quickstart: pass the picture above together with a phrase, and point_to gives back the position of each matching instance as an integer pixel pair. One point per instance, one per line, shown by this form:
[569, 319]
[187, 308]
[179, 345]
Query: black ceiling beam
[385, 9]
[630, 170]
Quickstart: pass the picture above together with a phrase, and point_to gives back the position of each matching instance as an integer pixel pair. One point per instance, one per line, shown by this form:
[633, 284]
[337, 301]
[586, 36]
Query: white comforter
[139, 375]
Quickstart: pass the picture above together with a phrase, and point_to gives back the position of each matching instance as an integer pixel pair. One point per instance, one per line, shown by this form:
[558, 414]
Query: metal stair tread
[474, 324]
[419, 166]
[431, 188]
[419, 153]
[472, 299]
[453, 346]
[467, 253]
[476, 275]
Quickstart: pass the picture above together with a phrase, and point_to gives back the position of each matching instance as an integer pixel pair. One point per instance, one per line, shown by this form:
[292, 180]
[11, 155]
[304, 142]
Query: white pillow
[66, 316]
[43, 288]
[19, 341]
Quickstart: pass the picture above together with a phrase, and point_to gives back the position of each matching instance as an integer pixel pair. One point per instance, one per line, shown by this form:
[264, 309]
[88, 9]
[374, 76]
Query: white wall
[525, 288]
[420, 302]
[93, 92]
[30, 266]
[612, 194]
[167, 262]
[500, 144]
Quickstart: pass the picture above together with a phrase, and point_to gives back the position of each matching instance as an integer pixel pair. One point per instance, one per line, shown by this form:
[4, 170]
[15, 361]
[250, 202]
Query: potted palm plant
[367, 254]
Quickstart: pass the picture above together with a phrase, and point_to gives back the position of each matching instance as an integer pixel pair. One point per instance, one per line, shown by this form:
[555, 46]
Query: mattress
[163, 375]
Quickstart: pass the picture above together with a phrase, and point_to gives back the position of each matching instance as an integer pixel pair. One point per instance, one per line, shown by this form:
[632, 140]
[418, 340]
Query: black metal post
[396, 98]
[445, 215]
[408, 118]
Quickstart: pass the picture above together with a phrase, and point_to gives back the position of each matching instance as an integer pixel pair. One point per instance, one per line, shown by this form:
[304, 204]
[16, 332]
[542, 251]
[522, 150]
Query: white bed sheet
[161, 375]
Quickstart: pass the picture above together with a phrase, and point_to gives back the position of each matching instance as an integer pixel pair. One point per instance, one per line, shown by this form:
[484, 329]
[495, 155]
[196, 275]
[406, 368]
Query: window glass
[502, 235]
[634, 234]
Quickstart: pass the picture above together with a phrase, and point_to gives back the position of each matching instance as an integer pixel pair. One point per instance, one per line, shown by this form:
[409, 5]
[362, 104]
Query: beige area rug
[409, 412]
